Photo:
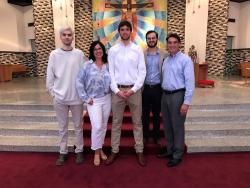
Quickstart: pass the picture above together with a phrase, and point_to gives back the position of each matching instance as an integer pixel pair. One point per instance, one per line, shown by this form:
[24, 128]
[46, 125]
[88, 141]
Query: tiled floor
[228, 90]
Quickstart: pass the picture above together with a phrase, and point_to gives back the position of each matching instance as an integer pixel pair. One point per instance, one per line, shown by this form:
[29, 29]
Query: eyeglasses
[96, 49]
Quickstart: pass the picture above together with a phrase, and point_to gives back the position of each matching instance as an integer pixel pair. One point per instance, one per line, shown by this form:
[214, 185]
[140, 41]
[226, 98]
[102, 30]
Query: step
[218, 144]
[217, 129]
[49, 144]
[51, 129]
[191, 119]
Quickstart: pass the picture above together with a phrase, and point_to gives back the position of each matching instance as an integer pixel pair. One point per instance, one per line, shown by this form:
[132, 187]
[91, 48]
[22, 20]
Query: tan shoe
[141, 159]
[111, 158]
[103, 156]
[97, 160]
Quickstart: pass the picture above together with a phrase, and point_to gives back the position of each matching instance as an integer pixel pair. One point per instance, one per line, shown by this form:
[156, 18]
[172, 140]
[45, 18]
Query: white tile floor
[228, 90]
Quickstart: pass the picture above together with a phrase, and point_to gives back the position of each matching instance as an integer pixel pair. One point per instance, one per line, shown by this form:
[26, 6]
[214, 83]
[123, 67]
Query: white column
[63, 15]
[196, 27]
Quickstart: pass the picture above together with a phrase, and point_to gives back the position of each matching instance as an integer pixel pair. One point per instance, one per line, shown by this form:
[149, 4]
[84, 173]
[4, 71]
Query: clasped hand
[125, 94]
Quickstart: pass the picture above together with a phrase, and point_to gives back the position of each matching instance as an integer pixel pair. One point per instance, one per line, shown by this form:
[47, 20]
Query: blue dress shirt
[153, 76]
[93, 82]
[178, 72]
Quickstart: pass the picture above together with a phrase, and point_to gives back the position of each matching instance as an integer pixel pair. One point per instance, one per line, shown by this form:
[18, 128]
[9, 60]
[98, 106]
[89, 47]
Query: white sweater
[63, 67]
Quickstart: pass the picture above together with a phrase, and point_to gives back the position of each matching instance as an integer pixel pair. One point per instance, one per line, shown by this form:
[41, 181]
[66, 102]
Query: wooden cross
[129, 7]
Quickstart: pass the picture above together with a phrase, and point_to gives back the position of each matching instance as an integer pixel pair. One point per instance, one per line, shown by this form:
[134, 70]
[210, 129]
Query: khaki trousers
[135, 105]
[62, 115]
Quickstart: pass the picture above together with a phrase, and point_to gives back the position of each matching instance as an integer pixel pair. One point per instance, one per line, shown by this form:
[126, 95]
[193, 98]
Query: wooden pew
[6, 71]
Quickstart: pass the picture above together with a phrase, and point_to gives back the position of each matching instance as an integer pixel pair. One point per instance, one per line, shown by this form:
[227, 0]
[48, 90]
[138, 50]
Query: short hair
[174, 35]
[152, 31]
[91, 51]
[125, 23]
[64, 28]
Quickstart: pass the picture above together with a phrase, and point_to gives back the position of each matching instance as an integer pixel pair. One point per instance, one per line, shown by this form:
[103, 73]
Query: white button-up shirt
[126, 66]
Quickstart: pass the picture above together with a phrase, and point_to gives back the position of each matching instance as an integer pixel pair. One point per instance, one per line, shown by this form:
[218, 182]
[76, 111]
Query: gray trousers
[173, 122]
[62, 115]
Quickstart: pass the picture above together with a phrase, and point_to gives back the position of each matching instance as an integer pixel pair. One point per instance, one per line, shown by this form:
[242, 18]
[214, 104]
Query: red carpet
[35, 170]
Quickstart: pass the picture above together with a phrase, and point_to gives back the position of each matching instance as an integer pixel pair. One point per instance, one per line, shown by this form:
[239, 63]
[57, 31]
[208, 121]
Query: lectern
[200, 71]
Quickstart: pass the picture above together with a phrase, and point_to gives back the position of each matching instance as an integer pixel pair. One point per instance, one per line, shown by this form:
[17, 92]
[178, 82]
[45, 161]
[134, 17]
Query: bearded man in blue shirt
[151, 95]
[178, 89]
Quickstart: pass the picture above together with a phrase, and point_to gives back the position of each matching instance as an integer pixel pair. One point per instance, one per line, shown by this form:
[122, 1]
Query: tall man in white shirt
[63, 67]
[127, 71]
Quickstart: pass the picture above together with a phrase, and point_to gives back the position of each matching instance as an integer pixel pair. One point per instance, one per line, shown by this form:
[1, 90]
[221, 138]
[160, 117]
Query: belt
[152, 86]
[125, 86]
[167, 92]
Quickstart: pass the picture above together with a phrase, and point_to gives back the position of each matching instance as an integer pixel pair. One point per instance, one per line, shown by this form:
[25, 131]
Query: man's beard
[123, 38]
[152, 46]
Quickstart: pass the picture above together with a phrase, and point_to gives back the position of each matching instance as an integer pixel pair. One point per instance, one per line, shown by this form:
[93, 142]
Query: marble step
[213, 130]
[238, 119]
[199, 117]
[49, 144]
[191, 113]
[194, 107]
[218, 144]
[51, 129]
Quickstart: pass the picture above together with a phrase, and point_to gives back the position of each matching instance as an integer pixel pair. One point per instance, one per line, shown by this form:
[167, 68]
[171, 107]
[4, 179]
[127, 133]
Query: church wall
[233, 58]
[240, 29]
[29, 31]
[217, 36]
[216, 30]
[176, 18]
[83, 25]
[196, 28]
[244, 30]
[13, 24]
[26, 58]
[63, 15]
[15, 46]
[233, 27]
[44, 33]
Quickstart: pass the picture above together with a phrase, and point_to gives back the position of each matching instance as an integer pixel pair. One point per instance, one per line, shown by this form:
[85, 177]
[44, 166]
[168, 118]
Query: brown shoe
[111, 158]
[141, 159]
[61, 159]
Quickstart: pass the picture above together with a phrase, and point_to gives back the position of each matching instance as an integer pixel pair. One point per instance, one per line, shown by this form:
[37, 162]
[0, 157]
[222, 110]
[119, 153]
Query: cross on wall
[129, 8]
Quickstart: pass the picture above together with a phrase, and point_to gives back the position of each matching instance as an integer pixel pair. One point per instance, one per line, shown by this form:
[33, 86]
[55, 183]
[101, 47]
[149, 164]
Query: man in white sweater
[63, 67]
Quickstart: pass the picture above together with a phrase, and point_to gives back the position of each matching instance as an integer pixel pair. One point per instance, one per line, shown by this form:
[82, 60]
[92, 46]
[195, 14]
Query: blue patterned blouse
[93, 82]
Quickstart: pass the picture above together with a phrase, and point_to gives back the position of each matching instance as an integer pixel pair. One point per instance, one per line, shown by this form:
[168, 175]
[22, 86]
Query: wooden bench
[6, 71]
[244, 72]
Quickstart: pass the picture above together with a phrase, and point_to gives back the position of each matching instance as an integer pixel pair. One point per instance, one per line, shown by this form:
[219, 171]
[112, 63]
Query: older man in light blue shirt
[178, 89]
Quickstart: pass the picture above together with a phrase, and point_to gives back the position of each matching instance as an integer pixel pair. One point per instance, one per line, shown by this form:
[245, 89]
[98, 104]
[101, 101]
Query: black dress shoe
[165, 155]
[157, 142]
[173, 162]
[145, 141]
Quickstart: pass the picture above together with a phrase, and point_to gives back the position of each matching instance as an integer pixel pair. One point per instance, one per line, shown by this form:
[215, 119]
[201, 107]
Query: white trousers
[99, 114]
[62, 114]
